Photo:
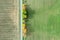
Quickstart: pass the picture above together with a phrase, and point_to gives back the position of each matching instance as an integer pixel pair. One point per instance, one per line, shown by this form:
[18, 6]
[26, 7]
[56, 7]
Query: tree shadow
[30, 15]
[30, 12]
[30, 30]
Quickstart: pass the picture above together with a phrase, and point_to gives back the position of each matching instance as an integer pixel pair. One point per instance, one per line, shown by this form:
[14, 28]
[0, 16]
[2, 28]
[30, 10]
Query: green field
[44, 20]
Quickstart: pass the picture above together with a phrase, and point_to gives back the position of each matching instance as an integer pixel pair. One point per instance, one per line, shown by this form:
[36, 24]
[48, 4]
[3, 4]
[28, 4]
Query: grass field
[44, 20]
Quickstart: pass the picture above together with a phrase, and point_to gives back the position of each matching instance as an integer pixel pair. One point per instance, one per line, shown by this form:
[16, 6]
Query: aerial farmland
[43, 20]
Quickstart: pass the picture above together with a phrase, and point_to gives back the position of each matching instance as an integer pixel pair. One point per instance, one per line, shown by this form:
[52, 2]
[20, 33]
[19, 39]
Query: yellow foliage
[24, 6]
